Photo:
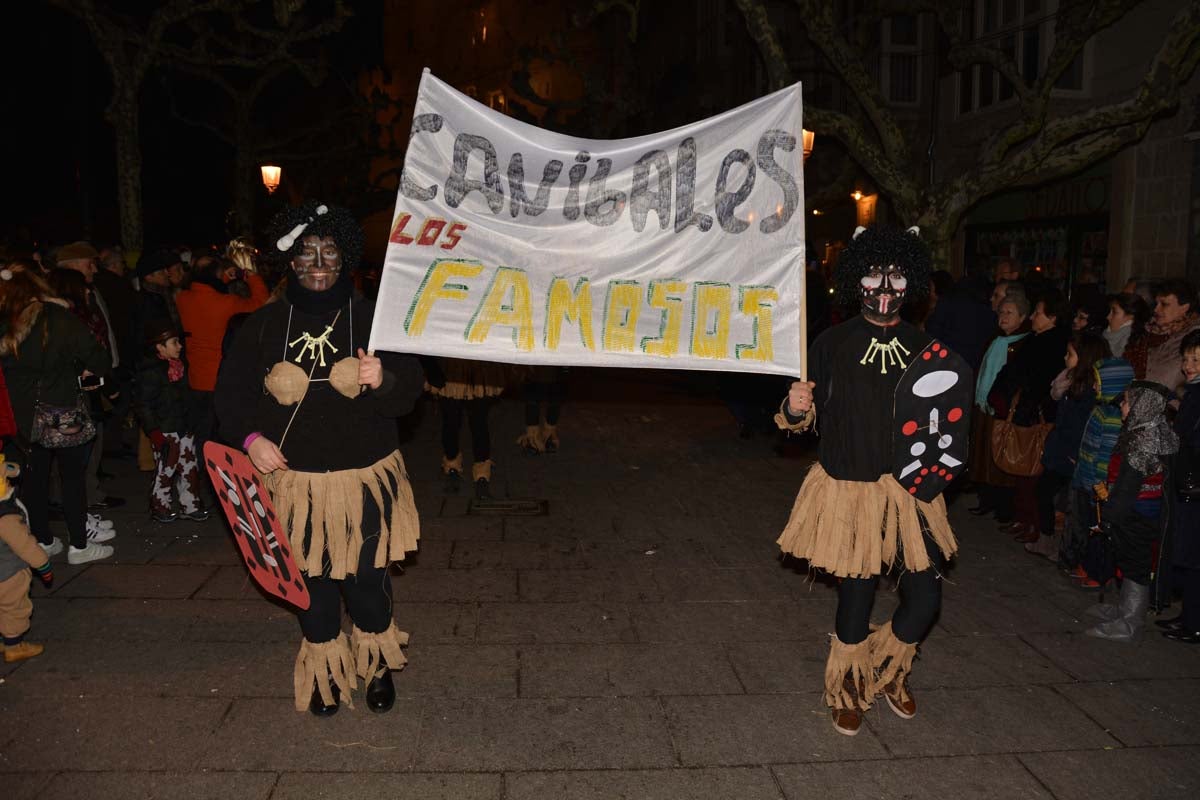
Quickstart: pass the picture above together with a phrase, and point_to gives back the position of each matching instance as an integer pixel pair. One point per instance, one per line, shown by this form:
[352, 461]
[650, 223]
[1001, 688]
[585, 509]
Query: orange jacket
[205, 315]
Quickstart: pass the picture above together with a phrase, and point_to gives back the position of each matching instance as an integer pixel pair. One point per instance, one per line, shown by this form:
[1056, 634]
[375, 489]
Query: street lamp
[807, 138]
[270, 177]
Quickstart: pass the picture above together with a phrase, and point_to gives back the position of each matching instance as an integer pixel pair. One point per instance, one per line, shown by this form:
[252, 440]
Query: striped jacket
[1113, 376]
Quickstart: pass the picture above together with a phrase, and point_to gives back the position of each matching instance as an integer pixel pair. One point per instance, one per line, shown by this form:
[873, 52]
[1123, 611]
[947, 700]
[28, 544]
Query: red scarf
[174, 369]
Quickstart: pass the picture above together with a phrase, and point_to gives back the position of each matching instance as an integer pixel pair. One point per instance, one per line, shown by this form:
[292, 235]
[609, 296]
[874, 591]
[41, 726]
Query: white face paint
[883, 290]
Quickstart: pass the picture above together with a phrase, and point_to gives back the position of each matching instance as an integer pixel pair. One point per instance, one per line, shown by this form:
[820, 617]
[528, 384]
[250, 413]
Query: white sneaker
[54, 548]
[99, 530]
[101, 522]
[93, 552]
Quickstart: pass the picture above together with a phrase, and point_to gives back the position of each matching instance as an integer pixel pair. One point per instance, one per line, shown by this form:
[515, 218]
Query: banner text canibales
[603, 205]
[504, 299]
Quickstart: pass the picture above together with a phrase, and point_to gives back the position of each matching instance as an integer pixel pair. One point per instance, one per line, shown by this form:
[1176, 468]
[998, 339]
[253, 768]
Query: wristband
[249, 440]
[44, 572]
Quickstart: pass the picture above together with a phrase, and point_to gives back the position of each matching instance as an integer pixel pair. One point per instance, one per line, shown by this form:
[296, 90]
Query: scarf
[1119, 338]
[174, 369]
[993, 361]
[1146, 437]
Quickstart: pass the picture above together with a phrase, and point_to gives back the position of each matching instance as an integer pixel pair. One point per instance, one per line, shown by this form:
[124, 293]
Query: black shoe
[317, 706]
[165, 519]
[106, 503]
[1187, 637]
[482, 489]
[199, 515]
[381, 693]
[1173, 624]
[453, 481]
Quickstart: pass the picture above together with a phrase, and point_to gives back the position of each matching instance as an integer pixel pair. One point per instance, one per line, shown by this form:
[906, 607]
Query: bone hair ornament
[286, 241]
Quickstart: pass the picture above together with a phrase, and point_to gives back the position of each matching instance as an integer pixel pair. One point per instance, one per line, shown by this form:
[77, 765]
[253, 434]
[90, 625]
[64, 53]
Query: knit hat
[158, 331]
[75, 251]
[154, 260]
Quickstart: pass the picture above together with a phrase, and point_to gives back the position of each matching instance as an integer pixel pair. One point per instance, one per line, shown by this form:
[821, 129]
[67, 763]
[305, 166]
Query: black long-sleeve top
[331, 432]
[855, 397]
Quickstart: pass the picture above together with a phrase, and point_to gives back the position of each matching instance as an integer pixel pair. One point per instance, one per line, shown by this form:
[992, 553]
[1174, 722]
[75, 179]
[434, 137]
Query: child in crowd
[1132, 504]
[1099, 437]
[1182, 537]
[166, 410]
[1075, 392]
[19, 553]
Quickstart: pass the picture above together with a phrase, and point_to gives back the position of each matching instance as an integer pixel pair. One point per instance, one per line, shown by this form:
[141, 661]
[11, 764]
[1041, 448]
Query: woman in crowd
[1022, 392]
[995, 486]
[46, 352]
[1127, 313]
[1074, 390]
[1132, 504]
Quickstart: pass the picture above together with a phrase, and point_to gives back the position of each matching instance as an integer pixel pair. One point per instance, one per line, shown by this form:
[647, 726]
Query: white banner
[682, 249]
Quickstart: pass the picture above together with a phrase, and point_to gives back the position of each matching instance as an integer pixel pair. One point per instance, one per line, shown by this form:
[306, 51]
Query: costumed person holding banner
[466, 388]
[889, 403]
[317, 416]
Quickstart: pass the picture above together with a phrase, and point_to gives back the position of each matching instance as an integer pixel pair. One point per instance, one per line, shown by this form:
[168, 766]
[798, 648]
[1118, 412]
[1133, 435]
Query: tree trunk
[123, 116]
[244, 180]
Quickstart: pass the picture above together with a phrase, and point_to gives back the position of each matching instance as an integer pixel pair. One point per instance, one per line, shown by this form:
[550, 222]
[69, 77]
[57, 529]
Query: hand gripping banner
[254, 523]
[682, 249]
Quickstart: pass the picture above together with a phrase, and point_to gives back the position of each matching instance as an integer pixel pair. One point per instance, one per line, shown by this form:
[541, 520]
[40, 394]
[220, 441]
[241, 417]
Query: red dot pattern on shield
[912, 427]
[909, 428]
[955, 414]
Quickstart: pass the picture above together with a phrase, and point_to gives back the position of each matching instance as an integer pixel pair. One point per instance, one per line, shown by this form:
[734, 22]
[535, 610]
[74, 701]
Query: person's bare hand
[266, 456]
[370, 369]
[800, 398]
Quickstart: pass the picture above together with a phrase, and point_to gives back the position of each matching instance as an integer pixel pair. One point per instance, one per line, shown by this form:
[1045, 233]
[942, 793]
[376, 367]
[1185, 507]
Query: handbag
[56, 427]
[1017, 449]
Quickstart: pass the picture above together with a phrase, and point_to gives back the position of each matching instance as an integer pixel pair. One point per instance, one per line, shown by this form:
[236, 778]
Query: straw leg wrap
[324, 662]
[376, 652]
[848, 675]
[891, 661]
[532, 439]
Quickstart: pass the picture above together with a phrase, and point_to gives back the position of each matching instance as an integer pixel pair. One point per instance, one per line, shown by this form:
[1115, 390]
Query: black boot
[317, 706]
[381, 693]
[483, 489]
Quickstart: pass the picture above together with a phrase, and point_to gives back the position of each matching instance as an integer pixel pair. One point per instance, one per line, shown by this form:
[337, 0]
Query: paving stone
[564, 553]
[152, 581]
[100, 733]
[595, 585]
[445, 670]
[1152, 773]
[727, 622]
[983, 660]
[723, 585]
[435, 529]
[167, 669]
[997, 614]
[658, 784]
[437, 623]
[598, 733]
[64, 573]
[231, 583]
[112, 620]
[160, 785]
[757, 729]
[434, 554]
[555, 623]
[191, 548]
[1088, 659]
[423, 584]
[646, 553]
[262, 620]
[1139, 712]
[782, 667]
[611, 670]
[1008, 719]
[390, 786]
[272, 735]
[24, 786]
[762, 554]
[962, 778]
[128, 548]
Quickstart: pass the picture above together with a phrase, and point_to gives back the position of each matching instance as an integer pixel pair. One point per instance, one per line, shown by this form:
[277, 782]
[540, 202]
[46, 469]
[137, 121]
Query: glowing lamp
[270, 177]
[807, 138]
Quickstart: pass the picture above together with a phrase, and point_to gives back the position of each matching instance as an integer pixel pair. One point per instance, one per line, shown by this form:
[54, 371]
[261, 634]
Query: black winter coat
[163, 404]
[1030, 371]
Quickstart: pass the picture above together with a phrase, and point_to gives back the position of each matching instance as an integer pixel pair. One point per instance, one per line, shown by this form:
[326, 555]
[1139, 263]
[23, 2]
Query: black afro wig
[878, 247]
[319, 220]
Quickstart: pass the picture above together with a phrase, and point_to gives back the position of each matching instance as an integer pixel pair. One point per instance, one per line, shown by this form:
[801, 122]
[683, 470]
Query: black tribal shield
[933, 421]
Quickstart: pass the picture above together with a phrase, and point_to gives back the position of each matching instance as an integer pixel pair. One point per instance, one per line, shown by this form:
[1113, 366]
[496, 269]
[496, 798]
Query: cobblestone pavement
[642, 640]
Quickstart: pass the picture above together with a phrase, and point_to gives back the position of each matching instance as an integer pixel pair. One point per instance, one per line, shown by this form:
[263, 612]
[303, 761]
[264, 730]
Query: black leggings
[477, 419]
[35, 491]
[368, 595]
[549, 393]
[920, 600]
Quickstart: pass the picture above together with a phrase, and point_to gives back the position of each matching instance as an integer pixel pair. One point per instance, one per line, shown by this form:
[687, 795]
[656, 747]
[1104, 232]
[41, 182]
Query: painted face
[1191, 364]
[317, 262]
[883, 290]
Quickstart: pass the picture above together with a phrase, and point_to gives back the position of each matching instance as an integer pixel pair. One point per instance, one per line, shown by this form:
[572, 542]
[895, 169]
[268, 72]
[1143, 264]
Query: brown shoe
[847, 721]
[21, 651]
[1027, 536]
[900, 699]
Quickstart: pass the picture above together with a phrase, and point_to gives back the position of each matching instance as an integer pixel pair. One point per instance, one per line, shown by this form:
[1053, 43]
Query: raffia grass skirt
[322, 513]
[472, 380]
[856, 529]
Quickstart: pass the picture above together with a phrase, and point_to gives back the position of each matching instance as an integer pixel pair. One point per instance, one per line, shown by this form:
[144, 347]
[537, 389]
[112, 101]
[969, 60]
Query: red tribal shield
[933, 421]
[255, 526]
